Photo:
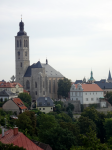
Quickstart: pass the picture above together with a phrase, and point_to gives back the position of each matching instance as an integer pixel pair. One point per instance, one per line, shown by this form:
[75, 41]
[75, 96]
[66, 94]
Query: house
[86, 93]
[45, 104]
[12, 136]
[13, 87]
[7, 95]
[14, 105]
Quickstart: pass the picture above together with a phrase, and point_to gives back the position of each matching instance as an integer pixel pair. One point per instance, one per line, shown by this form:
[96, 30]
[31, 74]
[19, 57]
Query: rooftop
[4, 84]
[19, 103]
[44, 102]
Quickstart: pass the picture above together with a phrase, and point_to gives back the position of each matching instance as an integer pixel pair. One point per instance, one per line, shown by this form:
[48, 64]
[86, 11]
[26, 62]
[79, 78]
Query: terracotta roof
[19, 103]
[90, 87]
[24, 91]
[20, 140]
[9, 84]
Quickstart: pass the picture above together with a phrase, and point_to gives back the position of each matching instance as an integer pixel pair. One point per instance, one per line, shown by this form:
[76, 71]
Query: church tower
[21, 53]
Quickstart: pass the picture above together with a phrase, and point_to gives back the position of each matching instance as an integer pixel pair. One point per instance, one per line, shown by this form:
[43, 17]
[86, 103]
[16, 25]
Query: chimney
[15, 130]
[2, 132]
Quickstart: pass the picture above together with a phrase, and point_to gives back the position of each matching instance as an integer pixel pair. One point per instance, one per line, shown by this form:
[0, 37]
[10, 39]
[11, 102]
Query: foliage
[2, 103]
[70, 106]
[10, 147]
[36, 111]
[85, 123]
[109, 114]
[64, 87]
[108, 127]
[70, 113]
[26, 98]
[63, 117]
[110, 100]
[108, 95]
[27, 120]
[59, 138]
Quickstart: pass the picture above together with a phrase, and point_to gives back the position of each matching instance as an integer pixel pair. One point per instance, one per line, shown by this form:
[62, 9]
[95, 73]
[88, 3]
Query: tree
[110, 99]
[64, 87]
[62, 117]
[26, 98]
[59, 138]
[70, 106]
[108, 127]
[108, 95]
[70, 113]
[27, 120]
[85, 123]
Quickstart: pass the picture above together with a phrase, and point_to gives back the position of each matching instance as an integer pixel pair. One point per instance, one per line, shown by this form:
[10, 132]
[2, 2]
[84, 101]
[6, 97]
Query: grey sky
[75, 36]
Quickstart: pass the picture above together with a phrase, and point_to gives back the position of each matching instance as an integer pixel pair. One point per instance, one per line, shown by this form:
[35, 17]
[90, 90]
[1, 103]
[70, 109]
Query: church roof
[104, 85]
[49, 71]
[35, 65]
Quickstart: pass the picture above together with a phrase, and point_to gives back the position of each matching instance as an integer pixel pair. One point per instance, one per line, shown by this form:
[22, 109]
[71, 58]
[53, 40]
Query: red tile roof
[9, 84]
[20, 140]
[24, 91]
[90, 87]
[19, 103]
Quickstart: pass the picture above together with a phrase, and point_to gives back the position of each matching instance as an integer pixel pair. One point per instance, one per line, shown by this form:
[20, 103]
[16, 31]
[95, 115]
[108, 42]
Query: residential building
[14, 105]
[86, 93]
[13, 87]
[45, 104]
[12, 136]
[7, 95]
[38, 79]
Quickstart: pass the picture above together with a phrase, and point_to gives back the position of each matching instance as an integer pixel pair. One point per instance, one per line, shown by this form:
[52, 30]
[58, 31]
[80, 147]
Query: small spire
[21, 17]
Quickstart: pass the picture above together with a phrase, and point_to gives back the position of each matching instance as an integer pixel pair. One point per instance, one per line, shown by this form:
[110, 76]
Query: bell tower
[21, 53]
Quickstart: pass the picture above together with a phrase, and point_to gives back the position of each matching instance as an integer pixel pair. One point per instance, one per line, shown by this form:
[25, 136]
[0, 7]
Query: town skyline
[74, 36]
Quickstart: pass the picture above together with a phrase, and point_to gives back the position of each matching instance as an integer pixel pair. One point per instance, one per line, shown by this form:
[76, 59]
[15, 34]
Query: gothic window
[54, 86]
[21, 64]
[27, 84]
[18, 55]
[20, 43]
[49, 86]
[35, 84]
[24, 44]
[25, 53]
[35, 92]
[17, 43]
[43, 84]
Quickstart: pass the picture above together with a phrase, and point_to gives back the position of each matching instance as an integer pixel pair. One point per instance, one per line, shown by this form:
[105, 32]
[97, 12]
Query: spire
[109, 76]
[46, 61]
[91, 74]
[21, 28]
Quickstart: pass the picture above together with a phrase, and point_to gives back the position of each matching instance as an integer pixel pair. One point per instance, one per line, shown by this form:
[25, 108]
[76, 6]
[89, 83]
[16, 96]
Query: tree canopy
[64, 87]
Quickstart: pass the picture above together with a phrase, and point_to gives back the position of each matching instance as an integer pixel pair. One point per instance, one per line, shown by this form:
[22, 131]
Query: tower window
[27, 84]
[17, 43]
[26, 43]
[25, 53]
[21, 64]
[35, 92]
[35, 84]
[20, 43]
[18, 55]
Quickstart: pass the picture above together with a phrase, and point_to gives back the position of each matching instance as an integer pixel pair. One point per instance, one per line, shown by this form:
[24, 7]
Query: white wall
[3, 98]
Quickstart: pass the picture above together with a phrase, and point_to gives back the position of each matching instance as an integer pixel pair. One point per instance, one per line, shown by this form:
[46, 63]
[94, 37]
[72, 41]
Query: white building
[86, 93]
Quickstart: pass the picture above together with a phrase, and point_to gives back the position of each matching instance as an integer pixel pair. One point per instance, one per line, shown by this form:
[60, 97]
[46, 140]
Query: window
[79, 93]
[43, 84]
[39, 108]
[75, 93]
[90, 93]
[20, 43]
[43, 92]
[49, 86]
[26, 43]
[72, 99]
[51, 107]
[96, 92]
[54, 86]
[97, 99]
[93, 93]
[76, 99]
[25, 53]
[72, 88]
[79, 88]
[72, 93]
[35, 92]
[86, 99]
[85, 93]
[35, 84]
[92, 99]
[27, 84]
[21, 64]
[18, 55]
[43, 108]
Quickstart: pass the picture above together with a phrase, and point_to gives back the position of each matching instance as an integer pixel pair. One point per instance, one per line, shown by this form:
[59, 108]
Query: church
[39, 79]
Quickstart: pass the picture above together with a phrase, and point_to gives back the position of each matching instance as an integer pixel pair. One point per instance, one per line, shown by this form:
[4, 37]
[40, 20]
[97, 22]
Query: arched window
[20, 43]
[27, 84]
[26, 43]
[21, 64]
[17, 43]
[25, 53]
[35, 84]
[18, 55]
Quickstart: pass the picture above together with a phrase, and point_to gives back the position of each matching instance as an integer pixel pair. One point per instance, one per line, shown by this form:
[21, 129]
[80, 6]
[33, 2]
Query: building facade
[38, 79]
[86, 93]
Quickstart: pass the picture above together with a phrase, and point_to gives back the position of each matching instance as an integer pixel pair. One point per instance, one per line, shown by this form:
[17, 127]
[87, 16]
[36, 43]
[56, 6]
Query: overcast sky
[75, 35]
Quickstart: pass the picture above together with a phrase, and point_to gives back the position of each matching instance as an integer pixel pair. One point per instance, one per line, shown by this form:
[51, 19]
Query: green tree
[70, 106]
[62, 117]
[59, 138]
[64, 87]
[108, 95]
[108, 127]
[70, 113]
[85, 123]
[26, 98]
